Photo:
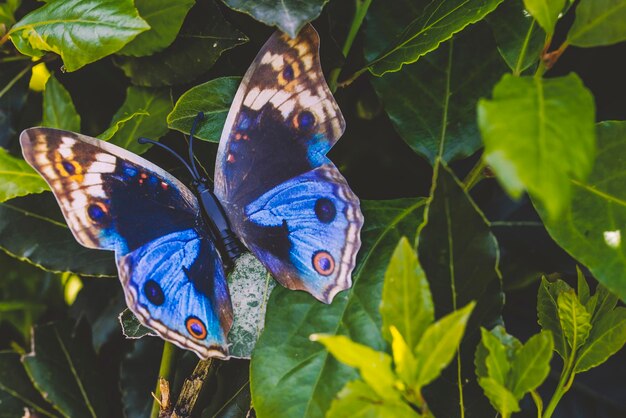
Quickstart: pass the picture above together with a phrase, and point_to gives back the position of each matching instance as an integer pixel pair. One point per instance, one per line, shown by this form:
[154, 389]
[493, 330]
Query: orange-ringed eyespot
[69, 167]
[153, 292]
[325, 210]
[196, 328]
[323, 263]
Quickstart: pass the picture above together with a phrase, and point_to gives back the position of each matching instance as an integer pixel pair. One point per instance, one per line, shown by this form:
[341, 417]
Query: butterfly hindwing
[272, 162]
[113, 199]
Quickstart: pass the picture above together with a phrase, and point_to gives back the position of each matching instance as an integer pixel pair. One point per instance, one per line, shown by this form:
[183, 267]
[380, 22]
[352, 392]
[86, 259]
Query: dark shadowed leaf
[593, 228]
[32, 228]
[285, 358]
[205, 35]
[58, 109]
[287, 15]
[143, 113]
[12, 101]
[81, 31]
[138, 375]
[165, 18]
[440, 20]
[519, 37]
[432, 103]
[63, 367]
[17, 178]
[17, 391]
[131, 327]
[598, 22]
[238, 406]
[357, 399]
[459, 255]
[538, 134]
[213, 98]
[7, 12]
[548, 312]
[407, 303]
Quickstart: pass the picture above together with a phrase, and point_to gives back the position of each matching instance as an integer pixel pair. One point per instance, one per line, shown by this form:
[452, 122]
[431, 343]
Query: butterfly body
[275, 191]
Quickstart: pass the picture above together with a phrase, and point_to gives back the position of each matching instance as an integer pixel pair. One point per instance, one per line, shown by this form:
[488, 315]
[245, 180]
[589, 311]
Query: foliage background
[394, 128]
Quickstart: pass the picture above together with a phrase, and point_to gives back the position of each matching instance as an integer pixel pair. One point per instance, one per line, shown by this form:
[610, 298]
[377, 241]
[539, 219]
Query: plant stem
[538, 402]
[475, 175]
[192, 387]
[565, 382]
[361, 7]
[165, 372]
[15, 58]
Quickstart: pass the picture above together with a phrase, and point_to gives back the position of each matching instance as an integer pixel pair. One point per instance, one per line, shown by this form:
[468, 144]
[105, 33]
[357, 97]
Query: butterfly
[275, 191]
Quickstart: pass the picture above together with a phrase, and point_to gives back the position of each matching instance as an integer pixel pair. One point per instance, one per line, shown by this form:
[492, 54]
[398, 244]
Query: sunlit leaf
[575, 320]
[607, 337]
[500, 397]
[531, 364]
[357, 399]
[17, 178]
[598, 22]
[546, 12]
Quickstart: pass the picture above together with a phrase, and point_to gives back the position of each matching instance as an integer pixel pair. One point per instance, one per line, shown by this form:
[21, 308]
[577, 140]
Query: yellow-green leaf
[598, 22]
[500, 397]
[546, 12]
[17, 178]
[574, 318]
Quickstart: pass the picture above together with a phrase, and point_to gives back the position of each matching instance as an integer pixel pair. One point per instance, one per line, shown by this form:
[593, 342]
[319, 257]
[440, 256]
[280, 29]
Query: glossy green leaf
[593, 229]
[439, 343]
[16, 390]
[607, 337]
[546, 12]
[439, 21]
[405, 363]
[407, 303]
[119, 123]
[539, 133]
[143, 113]
[284, 357]
[497, 361]
[58, 109]
[432, 103]
[32, 228]
[373, 366]
[64, 369]
[605, 304]
[357, 399]
[131, 327]
[17, 178]
[548, 312]
[574, 318]
[80, 31]
[531, 364]
[287, 15]
[520, 39]
[598, 22]
[500, 397]
[205, 35]
[165, 18]
[213, 98]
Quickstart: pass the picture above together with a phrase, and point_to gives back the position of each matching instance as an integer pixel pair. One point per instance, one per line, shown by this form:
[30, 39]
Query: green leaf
[497, 361]
[403, 358]
[139, 371]
[374, 366]
[17, 178]
[250, 286]
[598, 22]
[531, 364]
[119, 123]
[407, 304]
[519, 38]
[205, 35]
[165, 18]
[287, 15]
[143, 113]
[593, 229]
[439, 343]
[357, 399]
[440, 20]
[131, 327]
[548, 312]
[538, 133]
[546, 12]
[284, 358]
[64, 369]
[7, 12]
[32, 228]
[16, 389]
[583, 287]
[81, 31]
[432, 103]
[575, 320]
[605, 304]
[500, 397]
[213, 98]
[58, 109]
[607, 337]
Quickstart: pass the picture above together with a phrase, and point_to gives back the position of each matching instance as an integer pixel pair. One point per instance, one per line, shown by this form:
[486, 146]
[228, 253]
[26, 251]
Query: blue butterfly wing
[115, 200]
[282, 122]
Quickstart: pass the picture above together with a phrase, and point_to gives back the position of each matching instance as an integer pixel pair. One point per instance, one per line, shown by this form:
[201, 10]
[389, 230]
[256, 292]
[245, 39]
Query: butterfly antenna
[194, 126]
[194, 174]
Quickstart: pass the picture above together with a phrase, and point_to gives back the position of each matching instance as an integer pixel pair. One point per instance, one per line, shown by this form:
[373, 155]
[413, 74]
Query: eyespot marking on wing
[323, 263]
[196, 327]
